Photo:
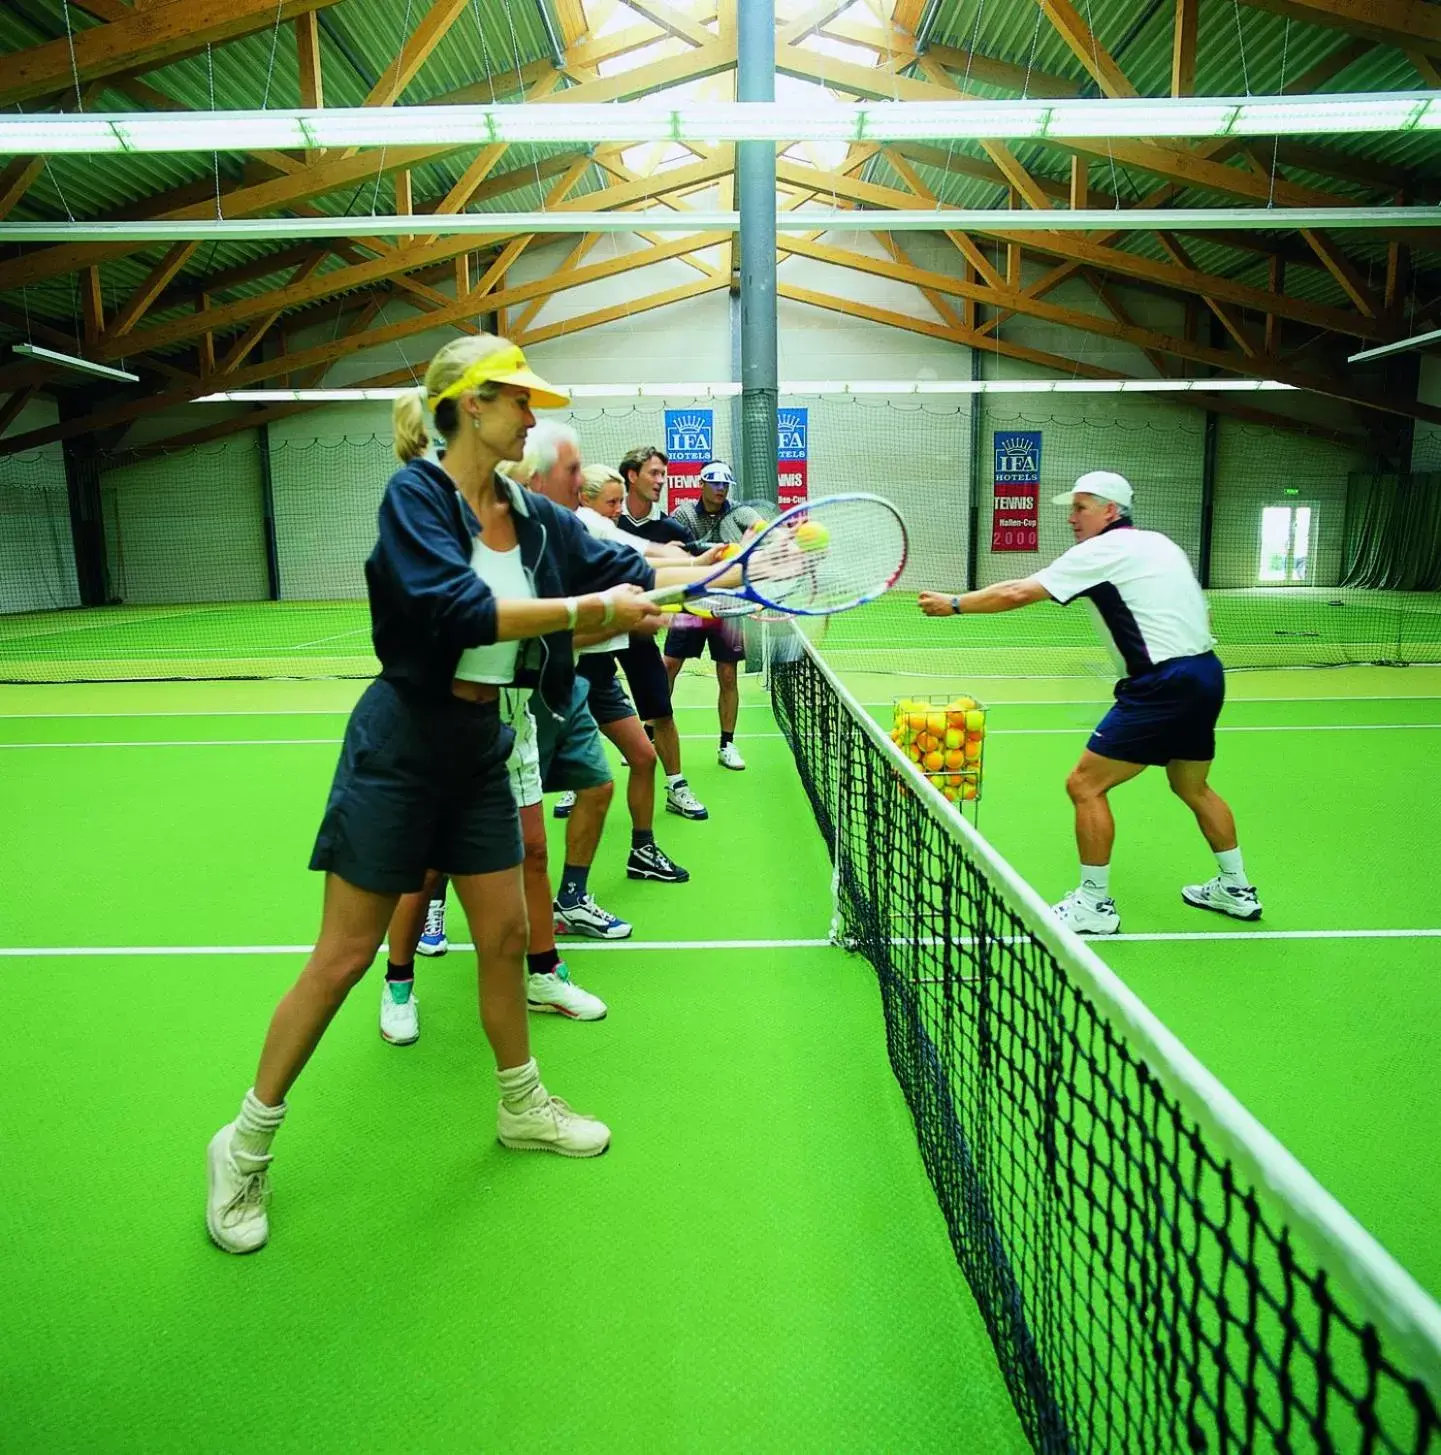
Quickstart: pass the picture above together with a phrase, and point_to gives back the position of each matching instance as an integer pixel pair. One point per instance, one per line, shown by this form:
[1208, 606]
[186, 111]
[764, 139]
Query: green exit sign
[1290, 490]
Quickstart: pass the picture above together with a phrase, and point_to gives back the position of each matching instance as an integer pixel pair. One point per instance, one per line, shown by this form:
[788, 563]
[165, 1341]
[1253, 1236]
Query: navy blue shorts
[420, 784]
[1164, 714]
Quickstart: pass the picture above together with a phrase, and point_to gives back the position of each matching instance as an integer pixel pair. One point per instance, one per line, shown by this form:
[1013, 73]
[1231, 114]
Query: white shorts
[524, 761]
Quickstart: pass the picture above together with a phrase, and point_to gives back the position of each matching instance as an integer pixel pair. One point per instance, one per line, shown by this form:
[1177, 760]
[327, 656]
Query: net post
[267, 513]
[974, 482]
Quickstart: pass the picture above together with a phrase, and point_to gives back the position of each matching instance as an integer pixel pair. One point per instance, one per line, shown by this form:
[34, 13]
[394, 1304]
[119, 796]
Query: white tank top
[504, 573]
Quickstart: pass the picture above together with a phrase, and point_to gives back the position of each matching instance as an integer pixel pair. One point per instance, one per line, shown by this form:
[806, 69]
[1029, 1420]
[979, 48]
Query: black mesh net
[1140, 1293]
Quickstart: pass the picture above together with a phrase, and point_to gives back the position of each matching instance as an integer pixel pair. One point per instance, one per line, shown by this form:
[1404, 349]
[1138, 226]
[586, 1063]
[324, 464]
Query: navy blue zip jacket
[427, 605]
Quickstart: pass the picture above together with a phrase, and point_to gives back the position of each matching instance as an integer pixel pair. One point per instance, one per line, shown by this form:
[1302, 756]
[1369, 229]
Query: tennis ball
[968, 790]
[934, 762]
[811, 535]
[928, 742]
[729, 550]
[963, 704]
[916, 722]
[954, 737]
[914, 753]
[955, 718]
[973, 751]
[955, 760]
[897, 736]
[975, 722]
[936, 722]
[951, 794]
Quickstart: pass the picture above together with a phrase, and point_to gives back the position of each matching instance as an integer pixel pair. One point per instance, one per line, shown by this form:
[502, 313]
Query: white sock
[1233, 876]
[671, 779]
[518, 1084]
[1095, 882]
[255, 1127]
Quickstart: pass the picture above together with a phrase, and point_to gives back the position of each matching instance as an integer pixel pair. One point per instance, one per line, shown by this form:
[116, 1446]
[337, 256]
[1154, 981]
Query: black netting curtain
[1393, 532]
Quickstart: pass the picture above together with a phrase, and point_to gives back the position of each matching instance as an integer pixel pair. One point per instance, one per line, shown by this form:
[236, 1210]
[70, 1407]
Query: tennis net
[1157, 1273]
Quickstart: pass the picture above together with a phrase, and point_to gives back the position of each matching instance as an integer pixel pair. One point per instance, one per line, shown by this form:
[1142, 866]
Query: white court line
[679, 708]
[1237, 936]
[1300, 727]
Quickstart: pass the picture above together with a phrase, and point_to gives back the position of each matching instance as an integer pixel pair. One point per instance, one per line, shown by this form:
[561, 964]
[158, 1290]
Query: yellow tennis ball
[936, 722]
[955, 760]
[811, 535]
[914, 753]
[968, 790]
[973, 751]
[916, 722]
[934, 762]
[975, 722]
[951, 794]
[954, 738]
[963, 703]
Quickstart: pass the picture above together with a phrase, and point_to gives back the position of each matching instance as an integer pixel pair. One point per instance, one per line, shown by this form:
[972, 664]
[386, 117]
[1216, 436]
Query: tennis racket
[815, 559]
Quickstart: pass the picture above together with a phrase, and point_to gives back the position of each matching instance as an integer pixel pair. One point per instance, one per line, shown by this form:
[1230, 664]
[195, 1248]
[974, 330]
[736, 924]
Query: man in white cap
[1152, 613]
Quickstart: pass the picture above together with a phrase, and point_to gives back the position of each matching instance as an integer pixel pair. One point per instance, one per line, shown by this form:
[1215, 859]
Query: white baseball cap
[1103, 484]
[717, 474]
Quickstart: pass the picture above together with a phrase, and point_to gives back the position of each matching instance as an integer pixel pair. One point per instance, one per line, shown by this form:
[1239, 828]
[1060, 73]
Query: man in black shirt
[644, 472]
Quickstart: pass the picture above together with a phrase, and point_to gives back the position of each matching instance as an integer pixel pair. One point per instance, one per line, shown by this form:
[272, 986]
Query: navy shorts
[724, 638]
[649, 685]
[421, 784]
[607, 700]
[572, 755]
[1167, 713]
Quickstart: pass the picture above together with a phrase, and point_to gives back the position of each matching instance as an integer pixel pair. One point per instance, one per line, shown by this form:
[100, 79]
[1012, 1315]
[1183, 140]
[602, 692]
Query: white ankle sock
[256, 1126]
[1233, 876]
[518, 1084]
[1095, 882]
[671, 779]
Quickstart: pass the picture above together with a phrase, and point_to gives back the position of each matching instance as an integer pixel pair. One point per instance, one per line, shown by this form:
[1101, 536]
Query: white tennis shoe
[1085, 917]
[235, 1210]
[1240, 901]
[547, 1124]
[558, 994]
[729, 757]
[399, 1012]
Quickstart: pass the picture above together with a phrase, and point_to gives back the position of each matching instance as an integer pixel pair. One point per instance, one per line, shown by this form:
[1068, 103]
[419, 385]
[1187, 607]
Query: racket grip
[664, 596]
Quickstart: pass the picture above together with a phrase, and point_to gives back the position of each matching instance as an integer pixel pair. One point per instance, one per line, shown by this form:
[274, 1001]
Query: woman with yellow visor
[472, 584]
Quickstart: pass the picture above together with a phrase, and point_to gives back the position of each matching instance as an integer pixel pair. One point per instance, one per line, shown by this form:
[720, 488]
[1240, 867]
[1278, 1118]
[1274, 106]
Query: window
[1285, 542]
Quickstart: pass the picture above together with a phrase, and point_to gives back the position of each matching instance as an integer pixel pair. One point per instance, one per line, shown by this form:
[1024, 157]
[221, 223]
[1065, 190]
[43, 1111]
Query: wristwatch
[955, 606]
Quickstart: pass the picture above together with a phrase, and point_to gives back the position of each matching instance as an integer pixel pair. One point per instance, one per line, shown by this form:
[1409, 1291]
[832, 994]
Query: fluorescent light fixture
[929, 219]
[1401, 346]
[798, 387]
[70, 361]
[726, 121]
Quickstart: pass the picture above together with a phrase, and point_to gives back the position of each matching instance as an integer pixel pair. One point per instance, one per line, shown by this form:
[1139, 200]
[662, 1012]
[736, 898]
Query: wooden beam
[141, 39]
[571, 14]
[335, 172]
[907, 14]
[1113, 305]
[1406, 24]
[242, 348]
[1426, 68]
[1075, 247]
[92, 304]
[1275, 285]
[17, 401]
[402, 260]
[16, 179]
[1098, 61]
[672, 22]
[176, 256]
[1107, 328]
[404, 203]
[810, 19]
[1080, 184]
[416, 51]
[1343, 270]
[307, 55]
[1183, 49]
[618, 311]
[1398, 271]
[462, 275]
[1229, 318]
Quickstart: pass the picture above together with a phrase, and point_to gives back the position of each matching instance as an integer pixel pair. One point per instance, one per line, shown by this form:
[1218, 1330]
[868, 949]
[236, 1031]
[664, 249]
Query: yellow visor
[505, 366]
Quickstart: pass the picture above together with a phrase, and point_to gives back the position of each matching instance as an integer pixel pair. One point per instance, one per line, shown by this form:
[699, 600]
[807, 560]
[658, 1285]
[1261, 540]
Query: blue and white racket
[816, 559]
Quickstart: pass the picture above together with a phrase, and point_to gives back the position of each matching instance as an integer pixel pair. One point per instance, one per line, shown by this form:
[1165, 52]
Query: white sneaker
[563, 805]
[432, 939]
[1238, 901]
[235, 1208]
[558, 994]
[547, 1124]
[679, 799]
[399, 1018]
[589, 919]
[729, 757]
[1086, 918]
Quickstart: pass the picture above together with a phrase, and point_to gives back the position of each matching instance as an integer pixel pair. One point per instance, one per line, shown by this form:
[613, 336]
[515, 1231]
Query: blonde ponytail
[407, 418]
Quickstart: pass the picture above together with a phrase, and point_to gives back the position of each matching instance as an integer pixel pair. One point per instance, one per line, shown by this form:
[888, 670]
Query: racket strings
[844, 551]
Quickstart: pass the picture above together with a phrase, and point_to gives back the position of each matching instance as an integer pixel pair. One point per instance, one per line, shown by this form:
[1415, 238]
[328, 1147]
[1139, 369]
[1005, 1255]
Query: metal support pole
[1208, 499]
[87, 520]
[267, 513]
[756, 188]
[973, 530]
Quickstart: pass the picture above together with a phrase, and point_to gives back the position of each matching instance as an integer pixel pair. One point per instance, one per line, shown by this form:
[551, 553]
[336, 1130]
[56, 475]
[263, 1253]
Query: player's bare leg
[1089, 908]
[1230, 892]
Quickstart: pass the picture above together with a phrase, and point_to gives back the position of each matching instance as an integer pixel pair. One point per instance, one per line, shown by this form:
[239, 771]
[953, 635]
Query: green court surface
[759, 1263]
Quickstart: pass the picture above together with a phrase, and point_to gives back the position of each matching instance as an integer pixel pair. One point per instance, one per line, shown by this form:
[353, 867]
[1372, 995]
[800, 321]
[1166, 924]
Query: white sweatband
[572, 609]
[609, 601]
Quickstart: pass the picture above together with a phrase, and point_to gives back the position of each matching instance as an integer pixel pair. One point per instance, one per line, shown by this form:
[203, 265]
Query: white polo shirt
[607, 530]
[1148, 605]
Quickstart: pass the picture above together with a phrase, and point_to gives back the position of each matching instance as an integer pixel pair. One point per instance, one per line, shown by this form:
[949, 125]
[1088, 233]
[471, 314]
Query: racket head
[826, 555]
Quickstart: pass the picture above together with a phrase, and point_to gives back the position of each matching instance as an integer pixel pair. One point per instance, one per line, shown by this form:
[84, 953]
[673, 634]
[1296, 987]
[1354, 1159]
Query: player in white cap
[1152, 613]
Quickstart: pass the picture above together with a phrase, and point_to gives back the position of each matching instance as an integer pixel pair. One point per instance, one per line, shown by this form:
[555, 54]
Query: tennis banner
[793, 456]
[1016, 502]
[690, 443]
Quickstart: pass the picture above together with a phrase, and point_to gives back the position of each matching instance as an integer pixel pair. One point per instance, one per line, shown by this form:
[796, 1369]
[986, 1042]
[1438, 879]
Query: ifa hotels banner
[1015, 517]
[690, 443]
